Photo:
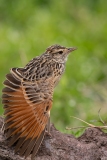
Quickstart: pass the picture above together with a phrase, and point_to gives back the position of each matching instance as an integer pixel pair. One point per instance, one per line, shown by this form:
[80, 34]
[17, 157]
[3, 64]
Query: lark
[28, 98]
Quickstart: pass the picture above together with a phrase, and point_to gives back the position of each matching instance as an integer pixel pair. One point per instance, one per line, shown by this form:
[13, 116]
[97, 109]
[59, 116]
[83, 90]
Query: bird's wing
[27, 110]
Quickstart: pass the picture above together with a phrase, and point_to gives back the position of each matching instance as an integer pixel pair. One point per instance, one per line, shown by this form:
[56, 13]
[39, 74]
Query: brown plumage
[27, 99]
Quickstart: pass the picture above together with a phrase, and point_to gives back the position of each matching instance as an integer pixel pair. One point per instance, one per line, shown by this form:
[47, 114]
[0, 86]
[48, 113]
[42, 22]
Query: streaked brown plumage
[27, 99]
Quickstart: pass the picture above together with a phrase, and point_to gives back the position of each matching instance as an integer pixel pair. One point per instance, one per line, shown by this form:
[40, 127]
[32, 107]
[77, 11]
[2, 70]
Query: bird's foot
[48, 134]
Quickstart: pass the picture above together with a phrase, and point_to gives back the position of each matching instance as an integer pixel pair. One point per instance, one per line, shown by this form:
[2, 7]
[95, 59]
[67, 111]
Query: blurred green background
[27, 28]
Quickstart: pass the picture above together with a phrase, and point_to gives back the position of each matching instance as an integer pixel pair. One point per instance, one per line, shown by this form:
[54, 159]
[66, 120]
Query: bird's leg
[48, 126]
[47, 132]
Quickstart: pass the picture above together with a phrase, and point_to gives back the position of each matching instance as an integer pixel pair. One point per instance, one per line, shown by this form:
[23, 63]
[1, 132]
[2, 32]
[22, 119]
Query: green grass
[27, 28]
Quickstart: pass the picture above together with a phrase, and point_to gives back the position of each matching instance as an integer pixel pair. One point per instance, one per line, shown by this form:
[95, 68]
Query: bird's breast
[58, 72]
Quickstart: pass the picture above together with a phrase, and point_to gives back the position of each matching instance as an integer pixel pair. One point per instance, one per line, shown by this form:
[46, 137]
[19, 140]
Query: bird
[28, 98]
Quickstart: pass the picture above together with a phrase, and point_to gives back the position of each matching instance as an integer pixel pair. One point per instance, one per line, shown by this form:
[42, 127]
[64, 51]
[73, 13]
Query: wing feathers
[6, 89]
[24, 146]
[12, 85]
[13, 80]
[26, 113]
[19, 143]
[29, 148]
[14, 139]
[35, 150]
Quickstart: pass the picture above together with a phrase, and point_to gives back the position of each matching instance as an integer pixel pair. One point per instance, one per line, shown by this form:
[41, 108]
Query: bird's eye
[60, 52]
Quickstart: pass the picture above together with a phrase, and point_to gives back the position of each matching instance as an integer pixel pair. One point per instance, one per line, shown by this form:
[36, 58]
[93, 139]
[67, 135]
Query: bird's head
[59, 53]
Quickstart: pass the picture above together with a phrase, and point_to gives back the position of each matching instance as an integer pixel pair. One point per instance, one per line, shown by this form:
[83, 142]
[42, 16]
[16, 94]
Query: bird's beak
[71, 49]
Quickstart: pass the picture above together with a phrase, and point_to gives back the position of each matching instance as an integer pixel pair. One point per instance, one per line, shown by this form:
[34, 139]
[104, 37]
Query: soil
[92, 145]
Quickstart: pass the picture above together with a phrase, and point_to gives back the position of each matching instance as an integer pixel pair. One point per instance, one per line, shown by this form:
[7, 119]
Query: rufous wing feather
[26, 112]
